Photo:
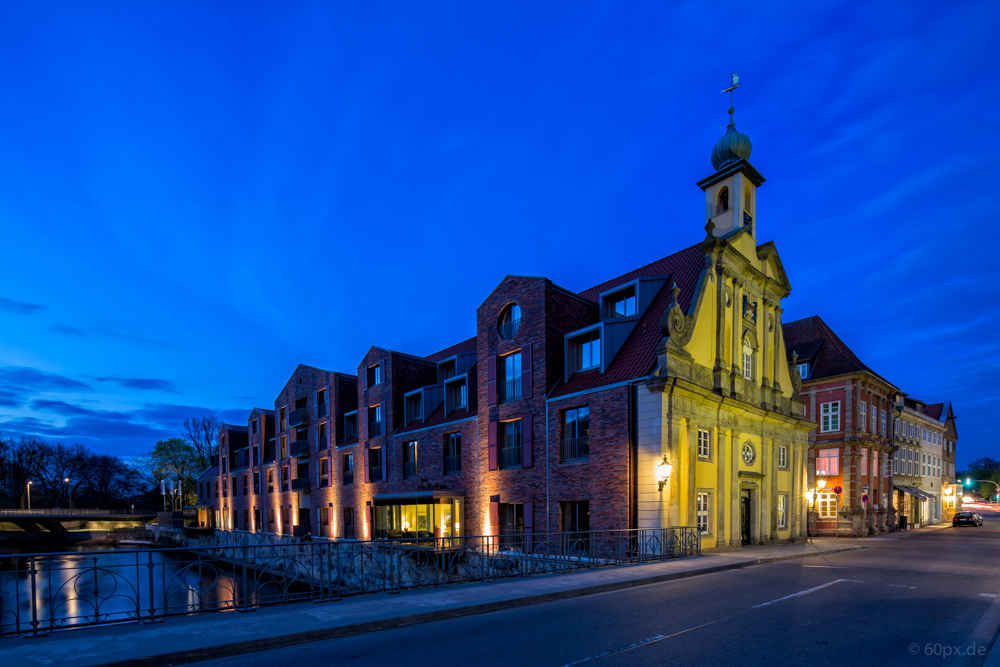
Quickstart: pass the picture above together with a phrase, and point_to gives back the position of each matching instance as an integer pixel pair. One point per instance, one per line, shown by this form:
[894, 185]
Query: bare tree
[201, 432]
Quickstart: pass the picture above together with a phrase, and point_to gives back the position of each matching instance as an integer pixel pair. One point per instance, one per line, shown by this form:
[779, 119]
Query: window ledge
[581, 459]
[510, 467]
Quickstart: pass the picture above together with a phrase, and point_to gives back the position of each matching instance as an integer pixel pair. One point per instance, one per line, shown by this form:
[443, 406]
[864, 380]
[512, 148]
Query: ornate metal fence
[40, 593]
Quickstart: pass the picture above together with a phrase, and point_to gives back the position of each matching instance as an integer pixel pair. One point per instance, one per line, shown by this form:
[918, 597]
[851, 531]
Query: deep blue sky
[196, 197]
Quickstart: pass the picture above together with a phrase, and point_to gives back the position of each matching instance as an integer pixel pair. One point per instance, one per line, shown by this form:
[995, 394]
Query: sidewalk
[213, 635]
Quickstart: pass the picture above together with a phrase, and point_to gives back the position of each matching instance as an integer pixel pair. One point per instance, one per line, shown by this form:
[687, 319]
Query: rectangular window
[588, 352]
[864, 416]
[348, 523]
[782, 510]
[874, 419]
[284, 447]
[703, 512]
[883, 423]
[510, 444]
[256, 483]
[828, 462]
[348, 469]
[375, 465]
[457, 395]
[322, 443]
[410, 459]
[512, 377]
[270, 480]
[704, 444]
[864, 461]
[453, 453]
[621, 304]
[283, 418]
[324, 473]
[284, 478]
[253, 426]
[270, 519]
[256, 519]
[374, 375]
[830, 413]
[576, 434]
[374, 421]
[875, 463]
[225, 487]
[782, 456]
[747, 362]
[826, 505]
[804, 371]
[246, 483]
[413, 408]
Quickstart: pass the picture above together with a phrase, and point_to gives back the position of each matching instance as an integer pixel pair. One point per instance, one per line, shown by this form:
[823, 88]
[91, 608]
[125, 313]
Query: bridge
[53, 520]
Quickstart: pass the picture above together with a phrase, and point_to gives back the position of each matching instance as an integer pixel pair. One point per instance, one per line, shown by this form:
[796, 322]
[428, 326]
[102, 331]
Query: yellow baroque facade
[722, 411]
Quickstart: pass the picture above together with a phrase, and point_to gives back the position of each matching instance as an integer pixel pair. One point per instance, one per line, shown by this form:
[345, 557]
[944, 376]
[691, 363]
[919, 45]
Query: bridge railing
[41, 593]
[75, 512]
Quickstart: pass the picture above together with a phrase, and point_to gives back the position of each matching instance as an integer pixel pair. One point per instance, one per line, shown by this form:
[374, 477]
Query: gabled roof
[235, 428]
[934, 411]
[464, 347]
[347, 377]
[637, 356]
[815, 342]
[213, 471]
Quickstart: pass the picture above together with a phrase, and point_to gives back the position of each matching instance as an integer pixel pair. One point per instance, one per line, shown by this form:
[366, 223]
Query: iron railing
[509, 329]
[298, 417]
[511, 456]
[299, 448]
[348, 477]
[72, 512]
[300, 484]
[322, 409]
[575, 448]
[452, 464]
[374, 429]
[375, 473]
[511, 389]
[41, 593]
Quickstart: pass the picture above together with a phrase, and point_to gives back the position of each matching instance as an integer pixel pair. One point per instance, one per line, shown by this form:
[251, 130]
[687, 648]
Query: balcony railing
[323, 409]
[298, 417]
[299, 448]
[409, 469]
[348, 477]
[301, 484]
[509, 329]
[375, 473]
[510, 457]
[452, 464]
[324, 481]
[575, 448]
[511, 389]
[374, 429]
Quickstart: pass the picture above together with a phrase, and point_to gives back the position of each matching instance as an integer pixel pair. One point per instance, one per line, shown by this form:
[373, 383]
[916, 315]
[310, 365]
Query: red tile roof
[814, 341]
[464, 347]
[637, 356]
[934, 411]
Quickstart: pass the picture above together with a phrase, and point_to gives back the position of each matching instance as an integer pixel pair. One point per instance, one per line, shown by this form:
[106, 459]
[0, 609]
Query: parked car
[970, 518]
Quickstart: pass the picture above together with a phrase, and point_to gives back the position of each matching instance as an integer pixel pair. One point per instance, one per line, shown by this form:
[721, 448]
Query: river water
[82, 586]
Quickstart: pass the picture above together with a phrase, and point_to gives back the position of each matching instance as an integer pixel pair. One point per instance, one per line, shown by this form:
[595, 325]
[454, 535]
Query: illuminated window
[782, 456]
[703, 512]
[704, 444]
[782, 510]
[826, 505]
[747, 359]
[864, 461]
[828, 462]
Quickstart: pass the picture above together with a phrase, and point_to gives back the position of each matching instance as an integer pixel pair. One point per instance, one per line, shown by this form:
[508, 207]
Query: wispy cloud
[103, 332]
[152, 384]
[19, 307]
[26, 380]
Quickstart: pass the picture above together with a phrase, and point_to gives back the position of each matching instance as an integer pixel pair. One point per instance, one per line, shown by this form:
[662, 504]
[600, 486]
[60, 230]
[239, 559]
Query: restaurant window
[425, 516]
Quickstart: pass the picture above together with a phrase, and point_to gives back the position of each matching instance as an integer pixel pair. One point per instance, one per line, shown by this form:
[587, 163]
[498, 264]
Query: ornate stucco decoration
[749, 309]
[677, 326]
[793, 372]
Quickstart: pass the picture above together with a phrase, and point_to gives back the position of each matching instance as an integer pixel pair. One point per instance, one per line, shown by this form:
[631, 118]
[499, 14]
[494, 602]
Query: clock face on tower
[749, 455]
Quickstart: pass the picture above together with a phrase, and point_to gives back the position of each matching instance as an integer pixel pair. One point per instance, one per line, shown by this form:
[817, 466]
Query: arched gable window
[722, 205]
[747, 359]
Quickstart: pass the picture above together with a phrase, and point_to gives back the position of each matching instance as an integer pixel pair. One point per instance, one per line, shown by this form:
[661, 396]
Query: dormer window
[622, 304]
[804, 371]
[509, 322]
[457, 395]
[447, 369]
[413, 408]
[588, 351]
[722, 204]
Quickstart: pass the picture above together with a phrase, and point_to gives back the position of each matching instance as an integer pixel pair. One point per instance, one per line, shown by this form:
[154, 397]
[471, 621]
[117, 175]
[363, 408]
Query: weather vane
[734, 83]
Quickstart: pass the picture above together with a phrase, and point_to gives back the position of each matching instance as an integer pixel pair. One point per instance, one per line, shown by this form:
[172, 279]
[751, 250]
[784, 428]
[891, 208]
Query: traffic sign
[865, 499]
[837, 490]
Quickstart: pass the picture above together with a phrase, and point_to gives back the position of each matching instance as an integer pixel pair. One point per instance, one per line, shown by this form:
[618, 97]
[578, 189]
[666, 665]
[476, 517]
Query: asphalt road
[912, 601]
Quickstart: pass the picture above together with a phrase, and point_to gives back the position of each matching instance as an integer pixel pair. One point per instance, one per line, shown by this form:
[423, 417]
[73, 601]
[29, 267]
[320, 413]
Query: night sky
[196, 197]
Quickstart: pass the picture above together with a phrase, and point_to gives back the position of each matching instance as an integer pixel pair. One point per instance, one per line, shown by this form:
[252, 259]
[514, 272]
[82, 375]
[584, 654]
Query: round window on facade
[510, 321]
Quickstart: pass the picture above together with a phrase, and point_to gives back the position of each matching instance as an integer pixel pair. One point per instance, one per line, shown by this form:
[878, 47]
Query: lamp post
[29, 494]
[69, 487]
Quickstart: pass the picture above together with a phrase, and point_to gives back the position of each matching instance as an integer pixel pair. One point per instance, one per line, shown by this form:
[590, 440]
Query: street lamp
[663, 470]
[29, 494]
[893, 447]
[69, 487]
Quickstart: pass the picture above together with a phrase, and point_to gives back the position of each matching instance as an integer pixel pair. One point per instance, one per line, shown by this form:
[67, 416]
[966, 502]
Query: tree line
[58, 472]
[981, 472]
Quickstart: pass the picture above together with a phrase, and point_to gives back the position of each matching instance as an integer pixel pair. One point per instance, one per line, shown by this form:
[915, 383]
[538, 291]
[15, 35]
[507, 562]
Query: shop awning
[923, 495]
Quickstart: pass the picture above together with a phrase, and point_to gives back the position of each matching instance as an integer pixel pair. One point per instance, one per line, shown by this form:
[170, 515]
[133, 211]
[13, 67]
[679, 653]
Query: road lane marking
[659, 638]
[987, 595]
[795, 595]
[912, 588]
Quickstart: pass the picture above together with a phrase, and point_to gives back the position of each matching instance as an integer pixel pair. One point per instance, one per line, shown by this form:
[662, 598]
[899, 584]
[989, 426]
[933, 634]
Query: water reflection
[79, 588]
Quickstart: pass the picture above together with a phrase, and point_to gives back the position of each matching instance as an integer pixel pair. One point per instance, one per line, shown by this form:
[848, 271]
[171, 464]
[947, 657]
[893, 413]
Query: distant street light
[29, 495]
[70, 487]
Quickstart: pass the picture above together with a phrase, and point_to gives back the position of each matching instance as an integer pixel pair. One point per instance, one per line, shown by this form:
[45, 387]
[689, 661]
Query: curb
[283, 641]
